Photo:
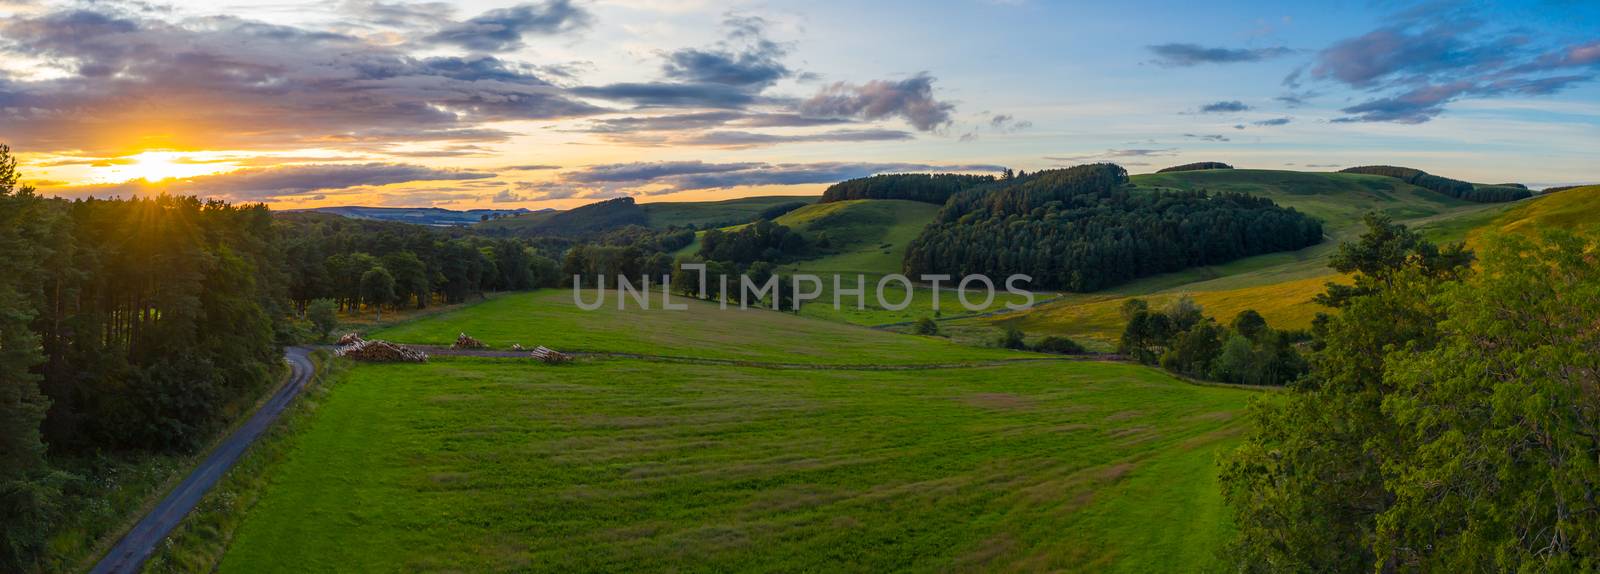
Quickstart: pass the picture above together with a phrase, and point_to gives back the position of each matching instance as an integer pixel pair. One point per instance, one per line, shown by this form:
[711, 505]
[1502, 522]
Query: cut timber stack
[550, 356]
[382, 352]
[349, 339]
[465, 342]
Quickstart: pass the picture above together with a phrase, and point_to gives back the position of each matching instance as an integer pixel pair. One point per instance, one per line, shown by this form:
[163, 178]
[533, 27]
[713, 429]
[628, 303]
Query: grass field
[480, 465]
[551, 319]
[1573, 209]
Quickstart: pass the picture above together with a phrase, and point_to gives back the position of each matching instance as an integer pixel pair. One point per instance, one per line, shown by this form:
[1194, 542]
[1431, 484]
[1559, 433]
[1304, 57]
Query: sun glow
[159, 165]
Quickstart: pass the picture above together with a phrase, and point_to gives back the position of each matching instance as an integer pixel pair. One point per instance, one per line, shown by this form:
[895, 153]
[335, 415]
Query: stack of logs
[550, 356]
[465, 342]
[381, 352]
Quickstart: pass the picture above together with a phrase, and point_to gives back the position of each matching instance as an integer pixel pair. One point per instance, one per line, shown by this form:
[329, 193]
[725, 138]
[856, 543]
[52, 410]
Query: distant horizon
[558, 103]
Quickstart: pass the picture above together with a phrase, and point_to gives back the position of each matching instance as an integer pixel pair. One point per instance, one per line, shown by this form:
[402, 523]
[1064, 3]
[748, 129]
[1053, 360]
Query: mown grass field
[482, 465]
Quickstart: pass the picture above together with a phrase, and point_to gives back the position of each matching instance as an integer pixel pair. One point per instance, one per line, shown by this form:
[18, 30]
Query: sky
[557, 103]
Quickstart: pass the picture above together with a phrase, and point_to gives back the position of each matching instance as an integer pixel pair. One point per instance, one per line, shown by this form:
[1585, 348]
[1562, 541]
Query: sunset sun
[161, 165]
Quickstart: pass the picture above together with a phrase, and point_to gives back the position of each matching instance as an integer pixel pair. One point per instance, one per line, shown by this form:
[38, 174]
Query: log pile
[381, 352]
[465, 342]
[350, 338]
[550, 356]
[517, 347]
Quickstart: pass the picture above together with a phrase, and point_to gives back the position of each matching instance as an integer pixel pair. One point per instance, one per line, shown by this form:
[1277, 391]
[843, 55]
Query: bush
[1059, 346]
[926, 326]
[1012, 338]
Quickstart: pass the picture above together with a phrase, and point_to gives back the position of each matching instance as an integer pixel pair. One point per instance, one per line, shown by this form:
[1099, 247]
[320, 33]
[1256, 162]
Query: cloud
[1006, 123]
[1187, 55]
[736, 139]
[398, 14]
[264, 183]
[746, 58]
[1224, 107]
[1417, 68]
[911, 99]
[501, 30]
[530, 167]
[1111, 154]
[1208, 137]
[729, 75]
[659, 178]
[226, 82]
[1273, 122]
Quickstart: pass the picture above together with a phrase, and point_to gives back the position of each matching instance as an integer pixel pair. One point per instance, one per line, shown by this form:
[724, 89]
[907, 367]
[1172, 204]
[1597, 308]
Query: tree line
[124, 324]
[377, 265]
[1181, 339]
[1081, 229]
[1451, 187]
[923, 187]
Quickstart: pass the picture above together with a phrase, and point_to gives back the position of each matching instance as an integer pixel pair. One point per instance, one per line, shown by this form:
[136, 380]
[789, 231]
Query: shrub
[1059, 346]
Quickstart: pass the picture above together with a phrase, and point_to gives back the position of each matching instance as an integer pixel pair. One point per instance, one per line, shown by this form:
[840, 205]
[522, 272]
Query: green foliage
[29, 492]
[377, 288]
[1309, 485]
[1059, 345]
[1496, 467]
[926, 188]
[759, 241]
[1079, 229]
[926, 326]
[1383, 252]
[779, 210]
[323, 314]
[1011, 338]
[1249, 323]
[1197, 166]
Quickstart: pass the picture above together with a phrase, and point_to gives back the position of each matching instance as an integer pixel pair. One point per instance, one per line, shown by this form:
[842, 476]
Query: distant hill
[1197, 166]
[1339, 199]
[434, 216]
[614, 213]
[1476, 193]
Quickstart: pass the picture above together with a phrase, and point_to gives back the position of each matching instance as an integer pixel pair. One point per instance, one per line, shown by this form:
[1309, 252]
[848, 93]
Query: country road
[136, 546]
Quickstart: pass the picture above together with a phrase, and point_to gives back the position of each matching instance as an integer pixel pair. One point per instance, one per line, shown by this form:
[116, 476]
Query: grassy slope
[1278, 285]
[549, 318]
[1575, 209]
[700, 213]
[667, 214]
[622, 465]
[868, 238]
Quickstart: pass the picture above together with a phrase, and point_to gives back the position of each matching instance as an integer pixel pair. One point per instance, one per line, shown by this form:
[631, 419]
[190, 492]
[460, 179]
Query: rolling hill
[615, 213]
[1279, 285]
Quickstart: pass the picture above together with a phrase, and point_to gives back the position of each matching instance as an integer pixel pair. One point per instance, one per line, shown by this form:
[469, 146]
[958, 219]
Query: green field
[622, 464]
[608, 465]
[706, 331]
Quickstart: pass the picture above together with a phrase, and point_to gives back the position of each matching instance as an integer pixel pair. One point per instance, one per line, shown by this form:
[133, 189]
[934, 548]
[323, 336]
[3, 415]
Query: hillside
[1576, 209]
[610, 214]
[1279, 285]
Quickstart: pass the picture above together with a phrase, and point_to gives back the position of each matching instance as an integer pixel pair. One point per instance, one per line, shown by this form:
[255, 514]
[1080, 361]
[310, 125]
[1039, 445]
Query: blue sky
[556, 103]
